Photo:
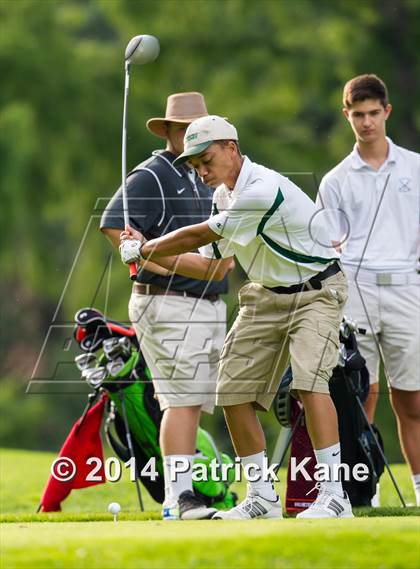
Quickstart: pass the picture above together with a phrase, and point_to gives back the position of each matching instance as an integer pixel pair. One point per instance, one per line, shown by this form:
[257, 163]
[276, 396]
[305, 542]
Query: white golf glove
[130, 251]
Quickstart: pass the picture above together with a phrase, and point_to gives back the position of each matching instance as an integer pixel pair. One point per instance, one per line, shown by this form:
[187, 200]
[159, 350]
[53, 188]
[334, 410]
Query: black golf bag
[113, 363]
[349, 388]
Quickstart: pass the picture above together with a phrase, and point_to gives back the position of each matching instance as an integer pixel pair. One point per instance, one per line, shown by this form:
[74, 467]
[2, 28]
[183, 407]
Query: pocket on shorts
[330, 343]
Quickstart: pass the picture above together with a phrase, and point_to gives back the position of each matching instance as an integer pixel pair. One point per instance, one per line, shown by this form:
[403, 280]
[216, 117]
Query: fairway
[368, 542]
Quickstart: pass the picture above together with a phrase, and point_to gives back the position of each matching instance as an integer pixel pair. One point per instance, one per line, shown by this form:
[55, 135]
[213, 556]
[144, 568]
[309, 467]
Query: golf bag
[349, 388]
[134, 415]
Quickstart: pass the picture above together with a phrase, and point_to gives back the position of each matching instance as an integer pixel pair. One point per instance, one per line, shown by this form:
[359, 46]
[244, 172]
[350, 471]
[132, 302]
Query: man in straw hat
[292, 307]
[180, 322]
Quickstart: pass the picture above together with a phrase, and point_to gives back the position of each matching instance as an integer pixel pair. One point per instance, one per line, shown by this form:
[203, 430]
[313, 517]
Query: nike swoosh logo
[180, 191]
[335, 453]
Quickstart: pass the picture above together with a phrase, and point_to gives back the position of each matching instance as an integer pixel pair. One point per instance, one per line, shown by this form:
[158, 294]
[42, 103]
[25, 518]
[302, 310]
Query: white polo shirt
[375, 214]
[271, 227]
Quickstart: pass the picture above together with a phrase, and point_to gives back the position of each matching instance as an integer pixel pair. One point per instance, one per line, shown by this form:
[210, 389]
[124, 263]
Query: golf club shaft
[132, 266]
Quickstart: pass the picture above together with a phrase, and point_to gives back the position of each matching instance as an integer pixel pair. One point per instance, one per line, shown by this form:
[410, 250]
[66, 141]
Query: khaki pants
[272, 328]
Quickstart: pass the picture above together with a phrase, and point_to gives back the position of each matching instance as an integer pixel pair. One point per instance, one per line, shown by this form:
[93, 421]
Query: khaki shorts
[181, 339]
[272, 328]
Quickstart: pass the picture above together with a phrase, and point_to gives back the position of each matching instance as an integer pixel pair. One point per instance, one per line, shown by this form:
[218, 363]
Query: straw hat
[180, 107]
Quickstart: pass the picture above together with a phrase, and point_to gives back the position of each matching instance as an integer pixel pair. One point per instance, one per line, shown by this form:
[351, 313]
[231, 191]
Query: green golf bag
[133, 410]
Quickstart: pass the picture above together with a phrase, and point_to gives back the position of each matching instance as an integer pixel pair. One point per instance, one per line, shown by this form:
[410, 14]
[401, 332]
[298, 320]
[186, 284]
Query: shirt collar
[243, 177]
[358, 163]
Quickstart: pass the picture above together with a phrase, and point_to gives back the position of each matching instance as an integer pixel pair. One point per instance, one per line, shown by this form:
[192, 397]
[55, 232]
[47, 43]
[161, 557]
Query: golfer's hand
[130, 245]
[130, 251]
[130, 233]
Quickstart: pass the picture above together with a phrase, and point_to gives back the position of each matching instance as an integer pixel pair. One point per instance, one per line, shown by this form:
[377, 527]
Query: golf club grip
[133, 271]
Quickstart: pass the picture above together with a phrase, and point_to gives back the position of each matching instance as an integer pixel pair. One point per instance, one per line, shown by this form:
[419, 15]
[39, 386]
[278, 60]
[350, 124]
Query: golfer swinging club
[291, 307]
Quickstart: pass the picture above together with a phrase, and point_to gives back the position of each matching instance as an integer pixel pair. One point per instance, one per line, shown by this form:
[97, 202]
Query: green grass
[87, 537]
[270, 544]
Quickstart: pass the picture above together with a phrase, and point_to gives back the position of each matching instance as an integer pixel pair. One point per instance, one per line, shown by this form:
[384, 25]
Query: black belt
[154, 290]
[313, 283]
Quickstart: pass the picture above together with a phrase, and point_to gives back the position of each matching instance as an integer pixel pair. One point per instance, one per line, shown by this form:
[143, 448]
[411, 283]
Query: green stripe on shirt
[279, 200]
[298, 257]
[216, 251]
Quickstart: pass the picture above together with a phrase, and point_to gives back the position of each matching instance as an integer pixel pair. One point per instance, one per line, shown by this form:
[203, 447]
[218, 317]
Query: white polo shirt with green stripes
[272, 228]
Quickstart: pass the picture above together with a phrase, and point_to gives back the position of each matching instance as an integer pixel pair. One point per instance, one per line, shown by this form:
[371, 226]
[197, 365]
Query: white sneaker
[254, 506]
[328, 505]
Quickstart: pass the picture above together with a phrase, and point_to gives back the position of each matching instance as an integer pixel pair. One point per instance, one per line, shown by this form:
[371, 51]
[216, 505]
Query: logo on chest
[404, 185]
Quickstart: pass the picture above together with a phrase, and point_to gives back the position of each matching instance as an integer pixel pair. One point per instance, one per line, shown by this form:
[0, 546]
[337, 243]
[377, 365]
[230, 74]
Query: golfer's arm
[113, 235]
[172, 251]
[180, 241]
[194, 266]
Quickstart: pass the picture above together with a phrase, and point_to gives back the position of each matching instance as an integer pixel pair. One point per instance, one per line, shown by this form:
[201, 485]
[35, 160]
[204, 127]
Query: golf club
[117, 347]
[111, 348]
[140, 50]
[114, 367]
[125, 347]
[94, 377]
[84, 361]
[87, 370]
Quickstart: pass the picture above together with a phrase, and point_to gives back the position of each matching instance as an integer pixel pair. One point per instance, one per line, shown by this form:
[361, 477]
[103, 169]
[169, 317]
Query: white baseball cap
[203, 132]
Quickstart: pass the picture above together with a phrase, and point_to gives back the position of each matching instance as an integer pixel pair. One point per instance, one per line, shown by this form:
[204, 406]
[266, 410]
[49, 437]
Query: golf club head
[94, 377]
[84, 361]
[348, 326]
[112, 348]
[114, 367]
[87, 370]
[342, 356]
[142, 49]
[125, 344]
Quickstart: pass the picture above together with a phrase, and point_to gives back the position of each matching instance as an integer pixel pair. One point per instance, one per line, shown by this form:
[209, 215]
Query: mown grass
[87, 536]
[354, 543]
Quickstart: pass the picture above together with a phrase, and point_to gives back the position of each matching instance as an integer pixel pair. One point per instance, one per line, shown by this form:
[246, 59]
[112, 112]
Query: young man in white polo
[292, 305]
[372, 200]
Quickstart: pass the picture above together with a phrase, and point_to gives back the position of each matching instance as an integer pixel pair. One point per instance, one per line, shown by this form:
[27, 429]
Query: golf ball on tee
[114, 508]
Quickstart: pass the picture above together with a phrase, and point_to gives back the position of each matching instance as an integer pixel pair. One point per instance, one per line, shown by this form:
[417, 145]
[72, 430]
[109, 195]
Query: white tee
[271, 226]
[375, 214]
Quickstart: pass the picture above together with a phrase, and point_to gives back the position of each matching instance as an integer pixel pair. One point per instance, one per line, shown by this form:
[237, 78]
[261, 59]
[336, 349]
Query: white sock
[261, 486]
[416, 484]
[331, 456]
[174, 486]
